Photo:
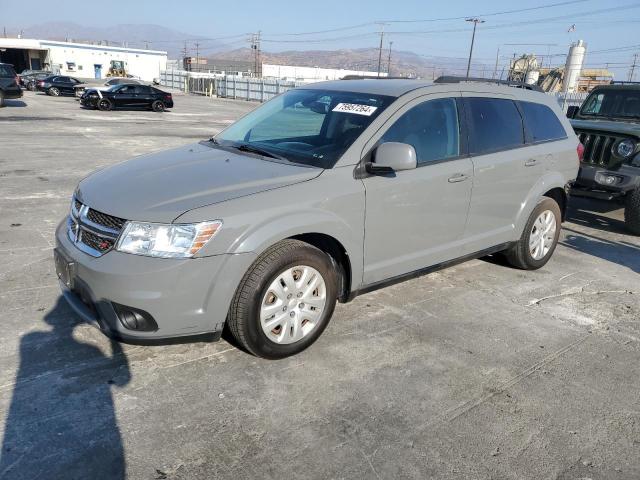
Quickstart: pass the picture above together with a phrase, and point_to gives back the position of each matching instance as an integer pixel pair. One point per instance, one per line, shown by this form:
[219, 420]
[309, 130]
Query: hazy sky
[603, 25]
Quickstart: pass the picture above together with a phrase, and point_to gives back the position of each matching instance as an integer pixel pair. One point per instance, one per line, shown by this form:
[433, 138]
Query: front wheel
[105, 104]
[157, 106]
[632, 211]
[1, 99]
[539, 238]
[285, 300]
[54, 92]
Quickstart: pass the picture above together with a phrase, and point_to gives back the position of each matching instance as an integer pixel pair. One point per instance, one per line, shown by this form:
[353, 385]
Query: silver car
[324, 193]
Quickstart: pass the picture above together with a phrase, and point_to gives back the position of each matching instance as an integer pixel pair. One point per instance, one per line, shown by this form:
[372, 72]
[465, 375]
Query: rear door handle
[531, 162]
[458, 177]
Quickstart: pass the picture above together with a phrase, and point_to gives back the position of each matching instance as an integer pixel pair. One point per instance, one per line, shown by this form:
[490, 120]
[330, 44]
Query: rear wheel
[157, 106]
[1, 99]
[539, 238]
[632, 211]
[31, 87]
[285, 300]
[104, 104]
[54, 92]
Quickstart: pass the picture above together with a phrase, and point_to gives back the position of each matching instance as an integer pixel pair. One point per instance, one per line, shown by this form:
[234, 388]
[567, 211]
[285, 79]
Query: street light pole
[475, 21]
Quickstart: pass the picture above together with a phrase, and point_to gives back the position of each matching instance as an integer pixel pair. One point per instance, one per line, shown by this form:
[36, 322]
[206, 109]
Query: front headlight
[166, 240]
[625, 148]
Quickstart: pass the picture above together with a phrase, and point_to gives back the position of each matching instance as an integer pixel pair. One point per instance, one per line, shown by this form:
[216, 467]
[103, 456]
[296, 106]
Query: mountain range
[403, 63]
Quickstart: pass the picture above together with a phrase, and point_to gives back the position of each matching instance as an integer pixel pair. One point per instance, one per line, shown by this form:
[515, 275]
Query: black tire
[244, 315]
[31, 87]
[632, 211]
[157, 106]
[105, 104]
[519, 255]
[54, 92]
[1, 99]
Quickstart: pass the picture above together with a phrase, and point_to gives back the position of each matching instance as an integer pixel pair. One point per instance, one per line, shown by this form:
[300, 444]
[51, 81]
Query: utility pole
[255, 46]
[184, 57]
[197, 56]
[475, 22]
[633, 67]
[495, 70]
[380, 48]
[389, 60]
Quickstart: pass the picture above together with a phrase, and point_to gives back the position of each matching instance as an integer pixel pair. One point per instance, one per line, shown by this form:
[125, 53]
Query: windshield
[314, 127]
[613, 103]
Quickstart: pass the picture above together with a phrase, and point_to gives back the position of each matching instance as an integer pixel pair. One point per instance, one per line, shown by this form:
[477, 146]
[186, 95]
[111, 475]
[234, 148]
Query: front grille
[93, 232]
[106, 220]
[598, 148]
[98, 243]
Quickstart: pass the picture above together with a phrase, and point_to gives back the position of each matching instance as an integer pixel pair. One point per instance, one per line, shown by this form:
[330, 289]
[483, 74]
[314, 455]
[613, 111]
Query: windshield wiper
[246, 147]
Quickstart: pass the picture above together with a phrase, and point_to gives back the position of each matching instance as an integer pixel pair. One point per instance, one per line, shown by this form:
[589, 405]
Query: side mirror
[391, 157]
[572, 111]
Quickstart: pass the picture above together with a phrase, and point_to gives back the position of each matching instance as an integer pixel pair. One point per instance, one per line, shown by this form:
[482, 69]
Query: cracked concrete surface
[479, 371]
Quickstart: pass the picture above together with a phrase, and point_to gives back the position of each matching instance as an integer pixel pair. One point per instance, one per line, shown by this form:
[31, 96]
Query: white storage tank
[573, 67]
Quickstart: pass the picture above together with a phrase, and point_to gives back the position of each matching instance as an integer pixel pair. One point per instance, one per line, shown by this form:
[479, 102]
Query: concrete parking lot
[475, 372]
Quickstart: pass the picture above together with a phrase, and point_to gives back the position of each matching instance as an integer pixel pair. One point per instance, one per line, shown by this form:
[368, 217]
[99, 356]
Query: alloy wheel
[542, 235]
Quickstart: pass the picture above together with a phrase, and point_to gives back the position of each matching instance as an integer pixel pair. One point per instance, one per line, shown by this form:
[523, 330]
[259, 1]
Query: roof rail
[619, 82]
[508, 83]
[375, 77]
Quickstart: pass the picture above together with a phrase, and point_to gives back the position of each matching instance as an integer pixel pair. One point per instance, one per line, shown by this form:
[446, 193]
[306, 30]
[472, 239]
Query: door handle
[531, 162]
[458, 177]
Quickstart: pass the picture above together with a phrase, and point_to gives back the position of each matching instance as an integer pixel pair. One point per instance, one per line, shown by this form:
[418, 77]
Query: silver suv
[324, 193]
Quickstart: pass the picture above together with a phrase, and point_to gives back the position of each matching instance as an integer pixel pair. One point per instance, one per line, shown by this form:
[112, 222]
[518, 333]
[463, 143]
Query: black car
[56, 85]
[30, 82]
[9, 87]
[27, 75]
[127, 96]
[608, 125]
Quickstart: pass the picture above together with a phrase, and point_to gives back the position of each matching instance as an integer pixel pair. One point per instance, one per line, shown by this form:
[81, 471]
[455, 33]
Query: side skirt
[424, 271]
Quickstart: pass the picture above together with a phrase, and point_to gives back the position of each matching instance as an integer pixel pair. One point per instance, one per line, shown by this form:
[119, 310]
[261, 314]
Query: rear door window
[431, 127]
[6, 71]
[494, 124]
[542, 124]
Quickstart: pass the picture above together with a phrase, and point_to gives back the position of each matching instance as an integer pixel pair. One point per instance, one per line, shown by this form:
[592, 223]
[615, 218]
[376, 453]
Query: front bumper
[89, 101]
[587, 186]
[185, 297]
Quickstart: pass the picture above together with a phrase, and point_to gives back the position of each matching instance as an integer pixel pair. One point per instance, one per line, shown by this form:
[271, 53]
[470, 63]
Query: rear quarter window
[494, 124]
[7, 71]
[542, 123]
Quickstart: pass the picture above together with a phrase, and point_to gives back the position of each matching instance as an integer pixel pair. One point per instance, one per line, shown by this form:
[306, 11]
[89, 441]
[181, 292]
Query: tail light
[580, 150]
[17, 79]
[168, 97]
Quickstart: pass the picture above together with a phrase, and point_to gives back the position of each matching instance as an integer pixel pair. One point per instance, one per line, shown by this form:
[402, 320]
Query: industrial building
[79, 59]
[311, 74]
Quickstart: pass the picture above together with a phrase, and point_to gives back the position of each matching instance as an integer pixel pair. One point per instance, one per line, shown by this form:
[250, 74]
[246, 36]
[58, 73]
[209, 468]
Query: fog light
[135, 319]
[607, 179]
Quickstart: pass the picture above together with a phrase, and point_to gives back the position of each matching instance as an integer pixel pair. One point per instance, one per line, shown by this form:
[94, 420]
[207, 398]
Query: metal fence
[228, 86]
[565, 100]
[263, 89]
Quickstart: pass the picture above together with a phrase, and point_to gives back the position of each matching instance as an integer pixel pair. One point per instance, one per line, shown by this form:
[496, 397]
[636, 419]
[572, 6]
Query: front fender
[548, 181]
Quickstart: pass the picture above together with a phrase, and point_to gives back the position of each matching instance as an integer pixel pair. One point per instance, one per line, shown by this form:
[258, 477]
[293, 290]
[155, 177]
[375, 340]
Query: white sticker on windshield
[358, 109]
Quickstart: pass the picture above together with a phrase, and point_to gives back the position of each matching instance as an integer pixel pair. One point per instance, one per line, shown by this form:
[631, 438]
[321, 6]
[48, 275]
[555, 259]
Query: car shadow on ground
[621, 252]
[61, 422]
[596, 214]
[14, 103]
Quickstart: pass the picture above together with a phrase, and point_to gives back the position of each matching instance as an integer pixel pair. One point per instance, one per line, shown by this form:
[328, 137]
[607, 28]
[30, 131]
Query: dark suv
[9, 87]
[608, 125]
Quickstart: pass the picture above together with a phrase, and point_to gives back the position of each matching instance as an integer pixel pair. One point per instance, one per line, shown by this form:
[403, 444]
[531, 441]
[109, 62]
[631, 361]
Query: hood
[630, 127]
[162, 186]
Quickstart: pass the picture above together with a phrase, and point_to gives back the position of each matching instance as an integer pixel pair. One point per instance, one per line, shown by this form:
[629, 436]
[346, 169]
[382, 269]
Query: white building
[79, 59]
[311, 74]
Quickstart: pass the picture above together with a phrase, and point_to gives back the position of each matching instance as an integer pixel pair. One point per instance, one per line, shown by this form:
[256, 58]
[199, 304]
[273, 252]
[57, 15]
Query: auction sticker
[356, 108]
